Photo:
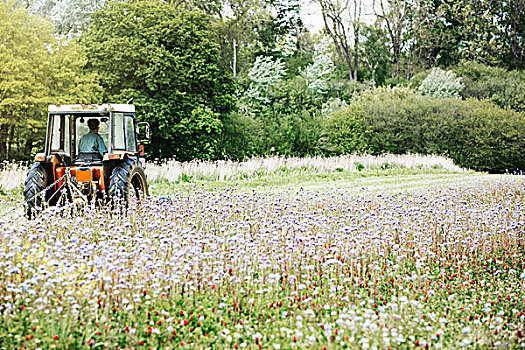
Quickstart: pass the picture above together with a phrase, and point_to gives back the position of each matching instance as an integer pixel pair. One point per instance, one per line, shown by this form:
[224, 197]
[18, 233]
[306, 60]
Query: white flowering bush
[441, 84]
[265, 73]
[318, 72]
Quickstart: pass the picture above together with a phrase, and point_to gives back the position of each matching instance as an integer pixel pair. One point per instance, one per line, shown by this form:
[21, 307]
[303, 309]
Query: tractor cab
[117, 126]
[87, 161]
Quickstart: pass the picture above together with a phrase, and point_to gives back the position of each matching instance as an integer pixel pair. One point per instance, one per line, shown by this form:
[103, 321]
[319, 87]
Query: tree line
[237, 78]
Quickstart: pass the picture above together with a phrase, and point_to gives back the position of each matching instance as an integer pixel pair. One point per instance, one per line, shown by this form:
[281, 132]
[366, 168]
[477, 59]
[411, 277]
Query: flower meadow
[441, 267]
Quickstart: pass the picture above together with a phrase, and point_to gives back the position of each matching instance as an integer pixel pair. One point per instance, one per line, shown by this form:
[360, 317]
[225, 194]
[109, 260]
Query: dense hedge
[476, 134]
[287, 134]
[504, 88]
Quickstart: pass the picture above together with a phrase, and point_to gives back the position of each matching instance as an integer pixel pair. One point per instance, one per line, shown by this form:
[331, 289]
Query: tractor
[66, 173]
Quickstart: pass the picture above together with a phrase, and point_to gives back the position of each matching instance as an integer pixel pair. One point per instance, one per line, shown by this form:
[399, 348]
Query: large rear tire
[35, 184]
[127, 181]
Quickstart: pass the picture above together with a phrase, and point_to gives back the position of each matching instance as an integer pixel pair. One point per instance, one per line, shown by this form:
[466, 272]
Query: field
[370, 253]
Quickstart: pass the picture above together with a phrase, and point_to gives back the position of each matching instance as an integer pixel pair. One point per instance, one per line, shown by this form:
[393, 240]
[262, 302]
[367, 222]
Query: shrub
[441, 84]
[504, 88]
[294, 134]
[199, 134]
[347, 131]
[243, 136]
[476, 134]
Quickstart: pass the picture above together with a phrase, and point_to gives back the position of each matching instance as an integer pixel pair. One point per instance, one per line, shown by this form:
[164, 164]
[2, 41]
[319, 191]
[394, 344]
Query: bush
[504, 88]
[347, 131]
[291, 134]
[441, 84]
[199, 135]
[243, 137]
[475, 134]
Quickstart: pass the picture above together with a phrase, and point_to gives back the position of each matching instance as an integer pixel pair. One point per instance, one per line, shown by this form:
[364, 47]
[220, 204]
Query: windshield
[81, 128]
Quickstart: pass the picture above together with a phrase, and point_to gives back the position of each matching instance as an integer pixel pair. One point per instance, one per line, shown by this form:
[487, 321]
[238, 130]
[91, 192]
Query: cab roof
[92, 108]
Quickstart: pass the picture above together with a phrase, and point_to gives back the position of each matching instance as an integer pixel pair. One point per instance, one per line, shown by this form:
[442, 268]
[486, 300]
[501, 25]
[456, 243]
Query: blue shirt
[92, 142]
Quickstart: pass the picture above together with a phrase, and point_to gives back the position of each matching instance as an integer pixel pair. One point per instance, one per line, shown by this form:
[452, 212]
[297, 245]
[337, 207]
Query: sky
[313, 20]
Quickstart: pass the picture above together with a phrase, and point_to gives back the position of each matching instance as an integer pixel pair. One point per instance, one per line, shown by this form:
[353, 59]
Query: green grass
[397, 177]
[381, 179]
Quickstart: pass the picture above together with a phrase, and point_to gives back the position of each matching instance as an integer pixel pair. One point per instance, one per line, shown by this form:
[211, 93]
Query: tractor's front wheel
[127, 181]
[34, 191]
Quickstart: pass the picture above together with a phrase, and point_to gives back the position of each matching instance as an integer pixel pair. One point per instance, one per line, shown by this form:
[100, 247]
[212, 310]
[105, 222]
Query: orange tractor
[68, 173]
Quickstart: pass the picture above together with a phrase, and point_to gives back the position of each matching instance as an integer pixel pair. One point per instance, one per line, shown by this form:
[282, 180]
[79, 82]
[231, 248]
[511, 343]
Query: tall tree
[395, 15]
[167, 59]
[514, 28]
[493, 31]
[279, 34]
[375, 54]
[211, 7]
[35, 70]
[69, 17]
[342, 23]
[237, 30]
[434, 34]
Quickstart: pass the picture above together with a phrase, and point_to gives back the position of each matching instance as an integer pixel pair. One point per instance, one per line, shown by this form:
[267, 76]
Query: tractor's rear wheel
[34, 194]
[127, 181]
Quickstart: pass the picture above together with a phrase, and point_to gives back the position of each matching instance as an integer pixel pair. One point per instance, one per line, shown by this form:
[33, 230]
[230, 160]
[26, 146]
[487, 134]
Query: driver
[92, 142]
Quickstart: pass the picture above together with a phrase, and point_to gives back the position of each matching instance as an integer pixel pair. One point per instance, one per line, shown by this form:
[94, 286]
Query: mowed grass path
[376, 181]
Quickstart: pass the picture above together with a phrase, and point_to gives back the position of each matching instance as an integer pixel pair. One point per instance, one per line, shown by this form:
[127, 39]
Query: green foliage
[270, 133]
[200, 133]
[441, 84]
[35, 70]
[346, 130]
[289, 124]
[299, 134]
[476, 134]
[504, 88]
[375, 54]
[416, 81]
[293, 96]
[243, 136]
[492, 31]
[167, 59]
[279, 33]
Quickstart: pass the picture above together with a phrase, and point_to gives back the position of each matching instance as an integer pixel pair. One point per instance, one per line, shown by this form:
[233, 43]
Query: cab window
[124, 137]
[60, 134]
[119, 140]
[131, 144]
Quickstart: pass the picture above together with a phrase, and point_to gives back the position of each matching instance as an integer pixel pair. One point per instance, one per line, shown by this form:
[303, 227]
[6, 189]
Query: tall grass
[12, 175]
[173, 170]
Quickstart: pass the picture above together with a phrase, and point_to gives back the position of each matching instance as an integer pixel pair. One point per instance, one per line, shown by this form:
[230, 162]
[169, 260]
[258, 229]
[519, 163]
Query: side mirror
[143, 131]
